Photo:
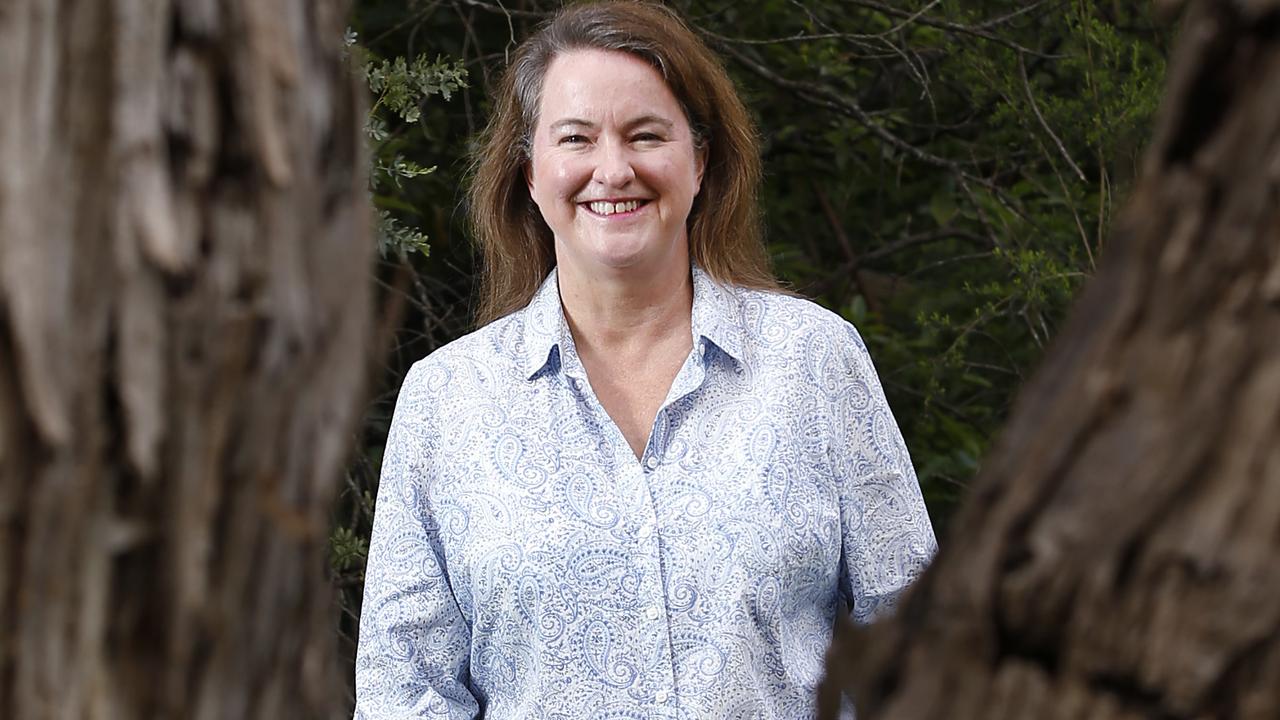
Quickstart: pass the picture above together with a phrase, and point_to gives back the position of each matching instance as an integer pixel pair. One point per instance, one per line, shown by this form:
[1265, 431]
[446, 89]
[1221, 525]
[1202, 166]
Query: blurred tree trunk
[1117, 558]
[184, 248]
[1118, 555]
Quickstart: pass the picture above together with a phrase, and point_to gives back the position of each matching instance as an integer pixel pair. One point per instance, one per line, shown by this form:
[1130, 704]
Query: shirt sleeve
[886, 536]
[412, 659]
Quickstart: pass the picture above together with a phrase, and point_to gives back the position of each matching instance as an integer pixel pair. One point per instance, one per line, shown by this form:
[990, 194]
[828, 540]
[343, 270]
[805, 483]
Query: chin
[620, 253]
[623, 255]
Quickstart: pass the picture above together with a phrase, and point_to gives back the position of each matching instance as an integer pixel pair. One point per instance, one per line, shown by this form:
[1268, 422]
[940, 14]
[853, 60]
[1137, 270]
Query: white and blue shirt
[525, 564]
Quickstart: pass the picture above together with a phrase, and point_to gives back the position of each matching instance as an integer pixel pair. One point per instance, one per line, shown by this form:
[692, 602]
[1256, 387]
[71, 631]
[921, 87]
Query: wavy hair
[516, 246]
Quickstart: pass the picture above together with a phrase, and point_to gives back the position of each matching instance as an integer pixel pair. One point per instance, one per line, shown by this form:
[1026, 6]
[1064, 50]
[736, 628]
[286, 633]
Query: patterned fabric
[524, 564]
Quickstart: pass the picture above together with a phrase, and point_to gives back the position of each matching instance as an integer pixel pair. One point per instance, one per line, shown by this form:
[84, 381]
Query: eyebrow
[636, 122]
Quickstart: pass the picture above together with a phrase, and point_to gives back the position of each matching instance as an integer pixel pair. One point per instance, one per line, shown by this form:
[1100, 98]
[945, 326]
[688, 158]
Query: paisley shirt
[525, 564]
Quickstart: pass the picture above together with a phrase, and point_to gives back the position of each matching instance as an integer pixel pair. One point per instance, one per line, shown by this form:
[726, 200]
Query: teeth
[608, 208]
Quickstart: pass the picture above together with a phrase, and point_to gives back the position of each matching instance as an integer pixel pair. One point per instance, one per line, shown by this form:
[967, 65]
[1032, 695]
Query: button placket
[648, 556]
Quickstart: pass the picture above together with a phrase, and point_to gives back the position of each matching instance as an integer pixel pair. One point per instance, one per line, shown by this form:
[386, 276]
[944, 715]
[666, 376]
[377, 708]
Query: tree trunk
[184, 259]
[1117, 557]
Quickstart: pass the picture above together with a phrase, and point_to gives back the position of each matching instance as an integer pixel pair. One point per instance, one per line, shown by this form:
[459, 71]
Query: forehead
[600, 84]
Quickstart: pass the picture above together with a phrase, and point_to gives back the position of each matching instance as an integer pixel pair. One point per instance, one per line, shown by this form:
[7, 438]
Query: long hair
[516, 246]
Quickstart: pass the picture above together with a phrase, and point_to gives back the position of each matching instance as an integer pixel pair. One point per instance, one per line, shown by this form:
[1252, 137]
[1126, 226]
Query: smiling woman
[641, 488]
[614, 168]
[517, 245]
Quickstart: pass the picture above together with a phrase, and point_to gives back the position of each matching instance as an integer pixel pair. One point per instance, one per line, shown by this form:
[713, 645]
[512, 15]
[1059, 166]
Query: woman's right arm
[414, 645]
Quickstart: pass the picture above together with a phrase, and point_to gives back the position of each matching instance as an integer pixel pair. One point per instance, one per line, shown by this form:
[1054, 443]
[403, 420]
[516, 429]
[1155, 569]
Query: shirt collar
[544, 326]
[716, 317]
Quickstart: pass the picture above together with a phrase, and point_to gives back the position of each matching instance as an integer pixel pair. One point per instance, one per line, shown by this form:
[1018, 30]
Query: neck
[626, 312]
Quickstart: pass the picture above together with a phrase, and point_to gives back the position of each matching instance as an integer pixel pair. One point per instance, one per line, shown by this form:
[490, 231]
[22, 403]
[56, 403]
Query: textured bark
[184, 259]
[1117, 557]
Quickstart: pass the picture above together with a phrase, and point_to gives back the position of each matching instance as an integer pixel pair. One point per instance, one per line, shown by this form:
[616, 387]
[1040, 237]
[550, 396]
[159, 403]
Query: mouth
[614, 208]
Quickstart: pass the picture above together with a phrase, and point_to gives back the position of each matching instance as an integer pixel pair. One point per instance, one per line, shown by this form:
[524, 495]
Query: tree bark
[184, 257]
[1117, 556]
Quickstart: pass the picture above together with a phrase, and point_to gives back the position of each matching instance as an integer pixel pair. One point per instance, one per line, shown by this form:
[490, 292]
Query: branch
[854, 266]
[1026, 85]
[848, 106]
[978, 31]
[498, 8]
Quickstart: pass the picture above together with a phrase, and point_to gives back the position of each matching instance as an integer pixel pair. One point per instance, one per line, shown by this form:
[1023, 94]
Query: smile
[606, 208]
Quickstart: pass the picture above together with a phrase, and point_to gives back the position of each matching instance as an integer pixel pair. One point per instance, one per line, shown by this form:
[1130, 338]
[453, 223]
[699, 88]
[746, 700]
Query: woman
[640, 489]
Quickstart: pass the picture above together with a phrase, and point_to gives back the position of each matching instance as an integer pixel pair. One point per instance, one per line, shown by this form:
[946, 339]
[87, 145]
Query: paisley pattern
[525, 564]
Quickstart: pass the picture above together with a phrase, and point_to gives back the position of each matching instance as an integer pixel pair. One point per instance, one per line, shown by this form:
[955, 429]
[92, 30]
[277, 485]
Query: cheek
[568, 178]
[679, 175]
[560, 177]
[555, 178]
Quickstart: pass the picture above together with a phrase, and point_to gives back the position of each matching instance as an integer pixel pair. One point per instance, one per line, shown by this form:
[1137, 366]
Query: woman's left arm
[887, 538]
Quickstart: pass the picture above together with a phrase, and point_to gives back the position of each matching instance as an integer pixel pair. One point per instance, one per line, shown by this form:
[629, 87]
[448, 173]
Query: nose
[613, 166]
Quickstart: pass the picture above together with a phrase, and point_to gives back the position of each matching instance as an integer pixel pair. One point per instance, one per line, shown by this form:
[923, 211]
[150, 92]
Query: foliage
[973, 172]
[347, 549]
[942, 173]
[400, 88]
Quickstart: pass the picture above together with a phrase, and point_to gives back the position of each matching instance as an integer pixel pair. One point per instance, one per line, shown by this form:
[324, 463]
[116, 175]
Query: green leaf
[943, 207]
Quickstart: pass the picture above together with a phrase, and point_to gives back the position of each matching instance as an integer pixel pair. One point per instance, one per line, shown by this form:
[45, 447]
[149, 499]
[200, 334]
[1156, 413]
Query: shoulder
[479, 362]
[778, 322]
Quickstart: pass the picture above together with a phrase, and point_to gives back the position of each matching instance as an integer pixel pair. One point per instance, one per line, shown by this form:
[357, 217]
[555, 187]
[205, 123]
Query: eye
[646, 137]
[573, 139]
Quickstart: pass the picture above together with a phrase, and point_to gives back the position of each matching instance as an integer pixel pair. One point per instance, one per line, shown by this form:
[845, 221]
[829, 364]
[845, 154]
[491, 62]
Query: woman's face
[614, 171]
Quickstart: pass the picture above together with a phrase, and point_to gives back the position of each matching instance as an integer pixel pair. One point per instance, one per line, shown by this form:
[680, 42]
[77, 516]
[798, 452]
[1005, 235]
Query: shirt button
[662, 696]
[702, 348]
[576, 383]
[651, 463]
[645, 532]
[651, 613]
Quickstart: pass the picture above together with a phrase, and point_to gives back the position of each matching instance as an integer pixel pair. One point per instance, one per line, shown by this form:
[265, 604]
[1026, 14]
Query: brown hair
[517, 247]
